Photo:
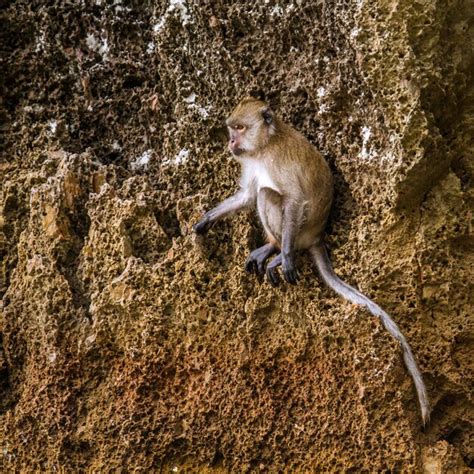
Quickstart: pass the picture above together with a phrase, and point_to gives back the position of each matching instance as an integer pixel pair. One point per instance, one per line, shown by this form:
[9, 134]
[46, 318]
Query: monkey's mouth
[237, 151]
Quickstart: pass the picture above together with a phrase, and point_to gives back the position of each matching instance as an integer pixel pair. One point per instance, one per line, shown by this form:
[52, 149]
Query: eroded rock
[130, 343]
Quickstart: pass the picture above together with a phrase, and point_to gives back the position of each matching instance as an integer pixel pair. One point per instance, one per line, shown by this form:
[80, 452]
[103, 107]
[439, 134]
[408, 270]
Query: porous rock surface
[129, 344]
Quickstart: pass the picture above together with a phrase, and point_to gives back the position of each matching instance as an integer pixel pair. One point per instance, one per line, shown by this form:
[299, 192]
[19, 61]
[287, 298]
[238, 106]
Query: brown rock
[129, 344]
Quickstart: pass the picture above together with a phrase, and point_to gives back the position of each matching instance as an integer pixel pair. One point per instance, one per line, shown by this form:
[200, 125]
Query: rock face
[127, 343]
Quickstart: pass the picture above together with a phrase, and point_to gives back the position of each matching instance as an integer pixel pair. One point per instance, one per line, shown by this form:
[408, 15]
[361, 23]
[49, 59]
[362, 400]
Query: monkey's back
[303, 174]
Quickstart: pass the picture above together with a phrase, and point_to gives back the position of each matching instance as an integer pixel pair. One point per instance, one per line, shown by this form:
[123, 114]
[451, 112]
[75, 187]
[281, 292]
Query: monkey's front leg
[291, 223]
[235, 203]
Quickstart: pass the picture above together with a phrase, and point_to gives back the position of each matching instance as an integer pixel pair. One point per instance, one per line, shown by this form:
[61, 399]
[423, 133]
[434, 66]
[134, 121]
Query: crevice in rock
[168, 220]
[68, 257]
[15, 219]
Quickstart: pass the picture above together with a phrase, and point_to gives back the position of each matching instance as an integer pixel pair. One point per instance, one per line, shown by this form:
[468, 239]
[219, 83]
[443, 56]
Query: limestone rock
[128, 343]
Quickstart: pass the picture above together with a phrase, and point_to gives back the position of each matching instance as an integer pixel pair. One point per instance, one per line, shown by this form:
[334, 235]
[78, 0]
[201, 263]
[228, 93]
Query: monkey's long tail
[323, 264]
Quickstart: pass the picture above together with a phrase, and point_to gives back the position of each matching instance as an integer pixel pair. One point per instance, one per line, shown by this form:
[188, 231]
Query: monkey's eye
[239, 127]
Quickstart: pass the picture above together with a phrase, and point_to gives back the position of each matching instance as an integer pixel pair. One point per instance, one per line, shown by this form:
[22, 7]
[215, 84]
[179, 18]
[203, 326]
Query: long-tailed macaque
[291, 185]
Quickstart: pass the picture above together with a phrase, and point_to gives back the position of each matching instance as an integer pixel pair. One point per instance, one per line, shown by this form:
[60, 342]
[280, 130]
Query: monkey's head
[250, 125]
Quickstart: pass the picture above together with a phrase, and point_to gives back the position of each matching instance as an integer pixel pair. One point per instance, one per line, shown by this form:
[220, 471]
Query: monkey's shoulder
[293, 146]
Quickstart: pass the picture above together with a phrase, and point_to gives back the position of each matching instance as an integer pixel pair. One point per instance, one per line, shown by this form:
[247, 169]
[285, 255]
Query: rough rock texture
[129, 344]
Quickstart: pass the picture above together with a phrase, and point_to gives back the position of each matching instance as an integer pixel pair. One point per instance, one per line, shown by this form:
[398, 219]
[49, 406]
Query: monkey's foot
[272, 272]
[256, 261]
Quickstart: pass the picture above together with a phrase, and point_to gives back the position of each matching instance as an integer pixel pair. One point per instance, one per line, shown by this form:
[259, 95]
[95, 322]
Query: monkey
[291, 185]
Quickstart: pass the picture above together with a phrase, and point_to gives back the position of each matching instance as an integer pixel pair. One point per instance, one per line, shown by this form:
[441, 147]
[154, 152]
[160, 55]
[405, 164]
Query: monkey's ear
[267, 115]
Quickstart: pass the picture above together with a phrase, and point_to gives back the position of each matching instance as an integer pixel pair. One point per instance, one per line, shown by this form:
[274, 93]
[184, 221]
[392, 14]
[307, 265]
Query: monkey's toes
[251, 266]
[273, 277]
[255, 265]
[261, 267]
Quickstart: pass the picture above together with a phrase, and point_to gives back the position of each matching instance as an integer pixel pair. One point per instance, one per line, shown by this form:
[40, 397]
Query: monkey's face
[250, 126]
[237, 138]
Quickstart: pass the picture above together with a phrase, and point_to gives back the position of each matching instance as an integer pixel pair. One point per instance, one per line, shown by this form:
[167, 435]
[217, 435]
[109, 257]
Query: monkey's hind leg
[256, 261]
[269, 207]
[272, 273]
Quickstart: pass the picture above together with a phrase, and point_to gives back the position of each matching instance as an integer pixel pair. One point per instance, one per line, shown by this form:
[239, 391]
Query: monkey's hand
[288, 266]
[202, 227]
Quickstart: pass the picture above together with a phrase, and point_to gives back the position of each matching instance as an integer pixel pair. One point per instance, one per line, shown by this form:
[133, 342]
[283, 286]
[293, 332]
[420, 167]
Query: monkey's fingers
[202, 226]
[290, 271]
[291, 276]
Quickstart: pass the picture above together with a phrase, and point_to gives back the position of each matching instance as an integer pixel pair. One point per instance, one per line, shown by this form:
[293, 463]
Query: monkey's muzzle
[235, 150]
